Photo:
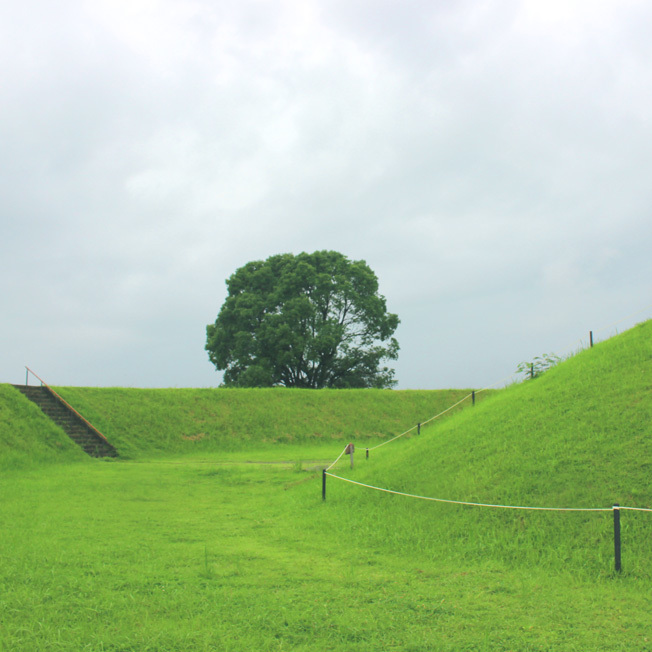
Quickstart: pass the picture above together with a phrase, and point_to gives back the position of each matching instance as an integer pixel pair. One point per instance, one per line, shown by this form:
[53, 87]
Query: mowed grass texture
[171, 557]
[177, 553]
[145, 423]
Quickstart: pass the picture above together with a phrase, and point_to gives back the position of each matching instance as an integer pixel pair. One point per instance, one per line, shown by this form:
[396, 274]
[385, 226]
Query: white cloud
[489, 159]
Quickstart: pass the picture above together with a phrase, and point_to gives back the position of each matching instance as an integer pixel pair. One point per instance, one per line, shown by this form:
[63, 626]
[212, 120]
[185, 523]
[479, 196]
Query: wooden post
[367, 453]
[350, 450]
[617, 537]
[323, 484]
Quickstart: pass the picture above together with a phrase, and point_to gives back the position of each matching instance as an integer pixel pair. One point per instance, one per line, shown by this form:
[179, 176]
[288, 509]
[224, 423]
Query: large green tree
[311, 320]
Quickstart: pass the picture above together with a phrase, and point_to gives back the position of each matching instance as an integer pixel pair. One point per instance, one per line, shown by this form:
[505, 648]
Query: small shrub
[539, 365]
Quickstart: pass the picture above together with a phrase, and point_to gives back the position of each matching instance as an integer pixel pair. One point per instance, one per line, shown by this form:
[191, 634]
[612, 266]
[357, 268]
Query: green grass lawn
[222, 542]
[199, 556]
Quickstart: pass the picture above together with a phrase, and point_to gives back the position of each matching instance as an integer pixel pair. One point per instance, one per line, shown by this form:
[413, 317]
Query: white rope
[389, 441]
[502, 381]
[423, 423]
[581, 343]
[337, 460]
[447, 409]
[634, 314]
[461, 502]
[636, 509]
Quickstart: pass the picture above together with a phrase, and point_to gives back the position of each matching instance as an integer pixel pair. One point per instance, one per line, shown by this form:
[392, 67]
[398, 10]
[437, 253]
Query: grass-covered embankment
[145, 423]
[578, 436]
[27, 437]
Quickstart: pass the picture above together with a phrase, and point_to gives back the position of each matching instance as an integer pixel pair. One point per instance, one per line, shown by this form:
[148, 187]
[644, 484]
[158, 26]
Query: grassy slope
[154, 422]
[578, 436]
[28, 437]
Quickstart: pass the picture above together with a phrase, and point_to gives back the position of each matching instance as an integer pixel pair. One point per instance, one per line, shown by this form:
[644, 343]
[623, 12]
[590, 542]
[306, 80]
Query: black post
[323, 484]
[473, 397]
[617, 537]
[418, 428]
[367, 453]
[591, 338]
[532, 371]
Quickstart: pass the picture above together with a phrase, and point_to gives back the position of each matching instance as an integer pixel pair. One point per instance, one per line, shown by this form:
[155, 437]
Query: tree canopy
[310, 320]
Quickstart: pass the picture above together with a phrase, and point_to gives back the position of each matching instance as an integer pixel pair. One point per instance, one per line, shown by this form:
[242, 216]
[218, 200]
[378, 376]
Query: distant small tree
[311, 320]
[538, 365]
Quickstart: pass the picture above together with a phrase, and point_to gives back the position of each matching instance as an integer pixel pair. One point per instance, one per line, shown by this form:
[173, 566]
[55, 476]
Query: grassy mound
[156, 422]
[578, 436]
[28, 437]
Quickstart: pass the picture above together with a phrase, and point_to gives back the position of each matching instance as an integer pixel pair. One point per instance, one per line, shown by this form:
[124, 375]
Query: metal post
[532, 371]
[323, 484]
[367, 453]
[591, 338]
[26, 376]
[473, 397]
[418, 428]
[617, 537]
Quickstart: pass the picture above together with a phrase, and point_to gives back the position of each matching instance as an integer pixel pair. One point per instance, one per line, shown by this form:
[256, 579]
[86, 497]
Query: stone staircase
[79, 430]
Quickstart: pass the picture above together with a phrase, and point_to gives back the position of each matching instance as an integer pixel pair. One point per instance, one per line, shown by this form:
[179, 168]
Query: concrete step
[71, 423]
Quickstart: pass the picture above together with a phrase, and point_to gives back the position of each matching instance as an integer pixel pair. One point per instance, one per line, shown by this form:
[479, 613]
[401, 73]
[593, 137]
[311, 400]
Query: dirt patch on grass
[197, 437]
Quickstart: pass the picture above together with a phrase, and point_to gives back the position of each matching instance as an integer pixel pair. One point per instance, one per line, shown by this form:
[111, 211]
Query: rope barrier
[581, 343]
[620, 321]
[615, 509]
[462, 502]
[637, 509]
[389, 441]
[504, 380]
[337, 460]
[423, 423]
[448, 409]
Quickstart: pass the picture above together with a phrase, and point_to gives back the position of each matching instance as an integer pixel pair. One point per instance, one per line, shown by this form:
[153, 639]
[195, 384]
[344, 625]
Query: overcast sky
[490, 160]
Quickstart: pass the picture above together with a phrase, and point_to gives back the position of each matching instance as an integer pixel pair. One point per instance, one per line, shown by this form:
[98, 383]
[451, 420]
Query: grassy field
[171, 552]
[166, 557]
